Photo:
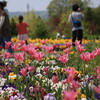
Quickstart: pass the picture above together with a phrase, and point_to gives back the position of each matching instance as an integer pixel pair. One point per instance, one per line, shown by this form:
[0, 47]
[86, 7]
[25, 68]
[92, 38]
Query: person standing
[22, 29]
[75, 18]
[5, 35]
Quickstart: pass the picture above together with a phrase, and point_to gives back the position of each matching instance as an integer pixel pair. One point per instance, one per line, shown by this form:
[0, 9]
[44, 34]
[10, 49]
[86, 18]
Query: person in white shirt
[75, 18]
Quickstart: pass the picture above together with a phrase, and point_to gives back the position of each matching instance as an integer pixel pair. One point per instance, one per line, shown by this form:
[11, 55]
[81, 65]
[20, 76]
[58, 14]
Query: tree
[55, 10]
[13, 27]
[37, 27]
[97, 20]
[57, 7]
[89, 20]
[31, 19]
[41, 29]
[64, 26]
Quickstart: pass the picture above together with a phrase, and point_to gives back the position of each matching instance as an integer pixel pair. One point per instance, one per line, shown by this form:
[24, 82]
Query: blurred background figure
[58, 36]
[63, 37]
[22, 29]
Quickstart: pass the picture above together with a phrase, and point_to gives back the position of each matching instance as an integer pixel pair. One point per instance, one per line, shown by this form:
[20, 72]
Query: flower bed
[38, 71]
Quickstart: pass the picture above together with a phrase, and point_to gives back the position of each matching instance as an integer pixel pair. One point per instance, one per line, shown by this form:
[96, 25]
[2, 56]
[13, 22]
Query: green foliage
[58, 12]
[57, 7]
[55, 10]
[31, 19]
[37, 27]
[91, 20]
[64, 26]
[13, 27]
[89, 14]
[41, 30]
[97, 20]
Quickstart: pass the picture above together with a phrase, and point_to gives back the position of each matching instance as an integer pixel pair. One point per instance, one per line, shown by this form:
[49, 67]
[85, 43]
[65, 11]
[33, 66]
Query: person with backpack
[75, 18]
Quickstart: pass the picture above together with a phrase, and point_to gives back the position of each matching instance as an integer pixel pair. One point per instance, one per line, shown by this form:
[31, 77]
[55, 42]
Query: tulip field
[50, 69]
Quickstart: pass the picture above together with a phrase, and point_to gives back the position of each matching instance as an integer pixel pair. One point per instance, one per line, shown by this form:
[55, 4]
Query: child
[22, 29]
[75, 19]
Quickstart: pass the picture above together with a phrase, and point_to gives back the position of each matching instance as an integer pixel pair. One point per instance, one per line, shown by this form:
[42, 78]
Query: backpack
[76, 23]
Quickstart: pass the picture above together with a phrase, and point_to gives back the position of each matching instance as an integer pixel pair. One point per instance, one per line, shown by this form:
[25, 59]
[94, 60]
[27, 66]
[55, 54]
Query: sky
[37, 5]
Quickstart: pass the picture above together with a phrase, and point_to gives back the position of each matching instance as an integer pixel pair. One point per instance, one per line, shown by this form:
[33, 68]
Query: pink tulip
[15, 46]
[75, 85]
[7, 55]
[43, 42]
[70, 78]
[45, 69]
[71, 72]
[38, 56]
[22, 42]
[30, 68]
[67, 50]
[93, 54]
[19, 56]
[23, 48]
[65, 81]
[55, 79]
[23, 71]
[98, 71]
[98, 51]
[68, 44]
[85, 56]
[77, 43]
[31, 51]
[70, 95]
[54, 52]
[63, 58]
[50, 49]
[80, 49]
[7, 44]
[47, 48]
[97, 89]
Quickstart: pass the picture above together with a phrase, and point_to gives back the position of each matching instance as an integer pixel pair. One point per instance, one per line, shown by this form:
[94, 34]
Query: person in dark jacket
[5, 35]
